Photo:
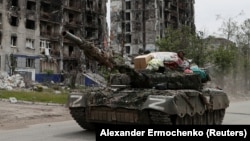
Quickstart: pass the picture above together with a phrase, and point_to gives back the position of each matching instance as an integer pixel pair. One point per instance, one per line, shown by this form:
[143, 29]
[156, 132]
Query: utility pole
[61, 37]
[123, 28]
[143, 25]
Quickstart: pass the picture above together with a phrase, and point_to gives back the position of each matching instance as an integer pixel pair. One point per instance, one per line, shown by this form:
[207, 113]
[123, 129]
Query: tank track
[78, 115]
[214, 117]
[208, 118]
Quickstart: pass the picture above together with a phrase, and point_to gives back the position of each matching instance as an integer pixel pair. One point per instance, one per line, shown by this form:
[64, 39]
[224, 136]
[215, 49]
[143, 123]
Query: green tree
[244, 43]
[230, 30]
[175, 39]
[223, 59]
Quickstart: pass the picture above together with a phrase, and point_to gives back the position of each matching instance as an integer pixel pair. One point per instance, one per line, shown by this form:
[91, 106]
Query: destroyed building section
[136, 24]
[30, 31]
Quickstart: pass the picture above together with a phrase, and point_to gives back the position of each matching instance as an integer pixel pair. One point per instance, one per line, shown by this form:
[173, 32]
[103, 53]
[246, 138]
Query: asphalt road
[238, 113]
[58, 131]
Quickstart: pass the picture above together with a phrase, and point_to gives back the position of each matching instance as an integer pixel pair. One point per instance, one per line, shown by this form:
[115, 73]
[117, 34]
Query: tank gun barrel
[72, 37]
[75, 39]
[103, 58]
[90, 50]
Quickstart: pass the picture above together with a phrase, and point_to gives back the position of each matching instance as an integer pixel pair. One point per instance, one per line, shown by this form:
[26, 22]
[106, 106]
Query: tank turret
[137, 78]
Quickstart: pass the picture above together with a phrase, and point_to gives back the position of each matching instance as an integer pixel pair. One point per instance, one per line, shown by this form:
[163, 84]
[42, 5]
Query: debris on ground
[8, 82]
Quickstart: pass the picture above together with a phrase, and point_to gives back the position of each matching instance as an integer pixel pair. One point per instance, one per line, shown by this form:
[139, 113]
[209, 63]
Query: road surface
[237, 113]
[58, 131]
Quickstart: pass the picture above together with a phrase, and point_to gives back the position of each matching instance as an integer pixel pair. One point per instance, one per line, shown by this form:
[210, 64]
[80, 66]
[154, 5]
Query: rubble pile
[10, 82]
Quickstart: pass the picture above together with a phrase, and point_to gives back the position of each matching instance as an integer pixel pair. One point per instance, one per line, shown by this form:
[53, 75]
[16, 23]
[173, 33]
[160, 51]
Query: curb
[31, 103]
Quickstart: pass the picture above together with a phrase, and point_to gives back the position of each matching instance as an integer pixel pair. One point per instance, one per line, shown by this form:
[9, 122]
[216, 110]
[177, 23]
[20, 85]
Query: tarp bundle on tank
[163, 81]
[175, 80]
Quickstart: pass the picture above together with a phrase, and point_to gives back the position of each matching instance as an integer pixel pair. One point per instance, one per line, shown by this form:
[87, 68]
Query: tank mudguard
[76, 100]
[217, 98]
[161, 103]
[182, 103]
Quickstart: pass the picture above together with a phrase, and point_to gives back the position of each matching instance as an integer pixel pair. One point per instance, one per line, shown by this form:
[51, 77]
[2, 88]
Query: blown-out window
[128, 38]
[30, 43]
[13, 41]
[127, 49]
[30, 62]
[13, 21]
[31, 5]
[128, 4]
[45, 47]
[30, 24]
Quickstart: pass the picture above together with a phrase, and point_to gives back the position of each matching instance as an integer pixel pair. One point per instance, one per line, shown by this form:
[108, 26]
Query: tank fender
[76, 100]
[161, 103]
[188, 102]
[218, 98]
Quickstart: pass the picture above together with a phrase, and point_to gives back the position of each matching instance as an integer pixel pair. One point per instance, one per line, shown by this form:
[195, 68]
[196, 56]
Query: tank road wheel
[186, 120]
[208, 118]
[179, 120]
[159, 118]
[78, 115]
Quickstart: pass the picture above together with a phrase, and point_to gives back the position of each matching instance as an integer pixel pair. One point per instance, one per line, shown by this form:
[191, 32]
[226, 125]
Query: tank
[145, 97]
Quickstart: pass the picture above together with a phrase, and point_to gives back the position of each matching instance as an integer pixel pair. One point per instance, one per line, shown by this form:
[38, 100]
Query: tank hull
[147, 107]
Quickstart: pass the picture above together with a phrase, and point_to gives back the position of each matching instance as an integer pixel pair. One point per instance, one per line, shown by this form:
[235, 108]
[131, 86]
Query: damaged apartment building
[30, 33]
[136, 24]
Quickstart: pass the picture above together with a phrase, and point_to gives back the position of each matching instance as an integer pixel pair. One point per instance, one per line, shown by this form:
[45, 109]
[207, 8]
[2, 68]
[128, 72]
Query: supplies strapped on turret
[168, 61]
